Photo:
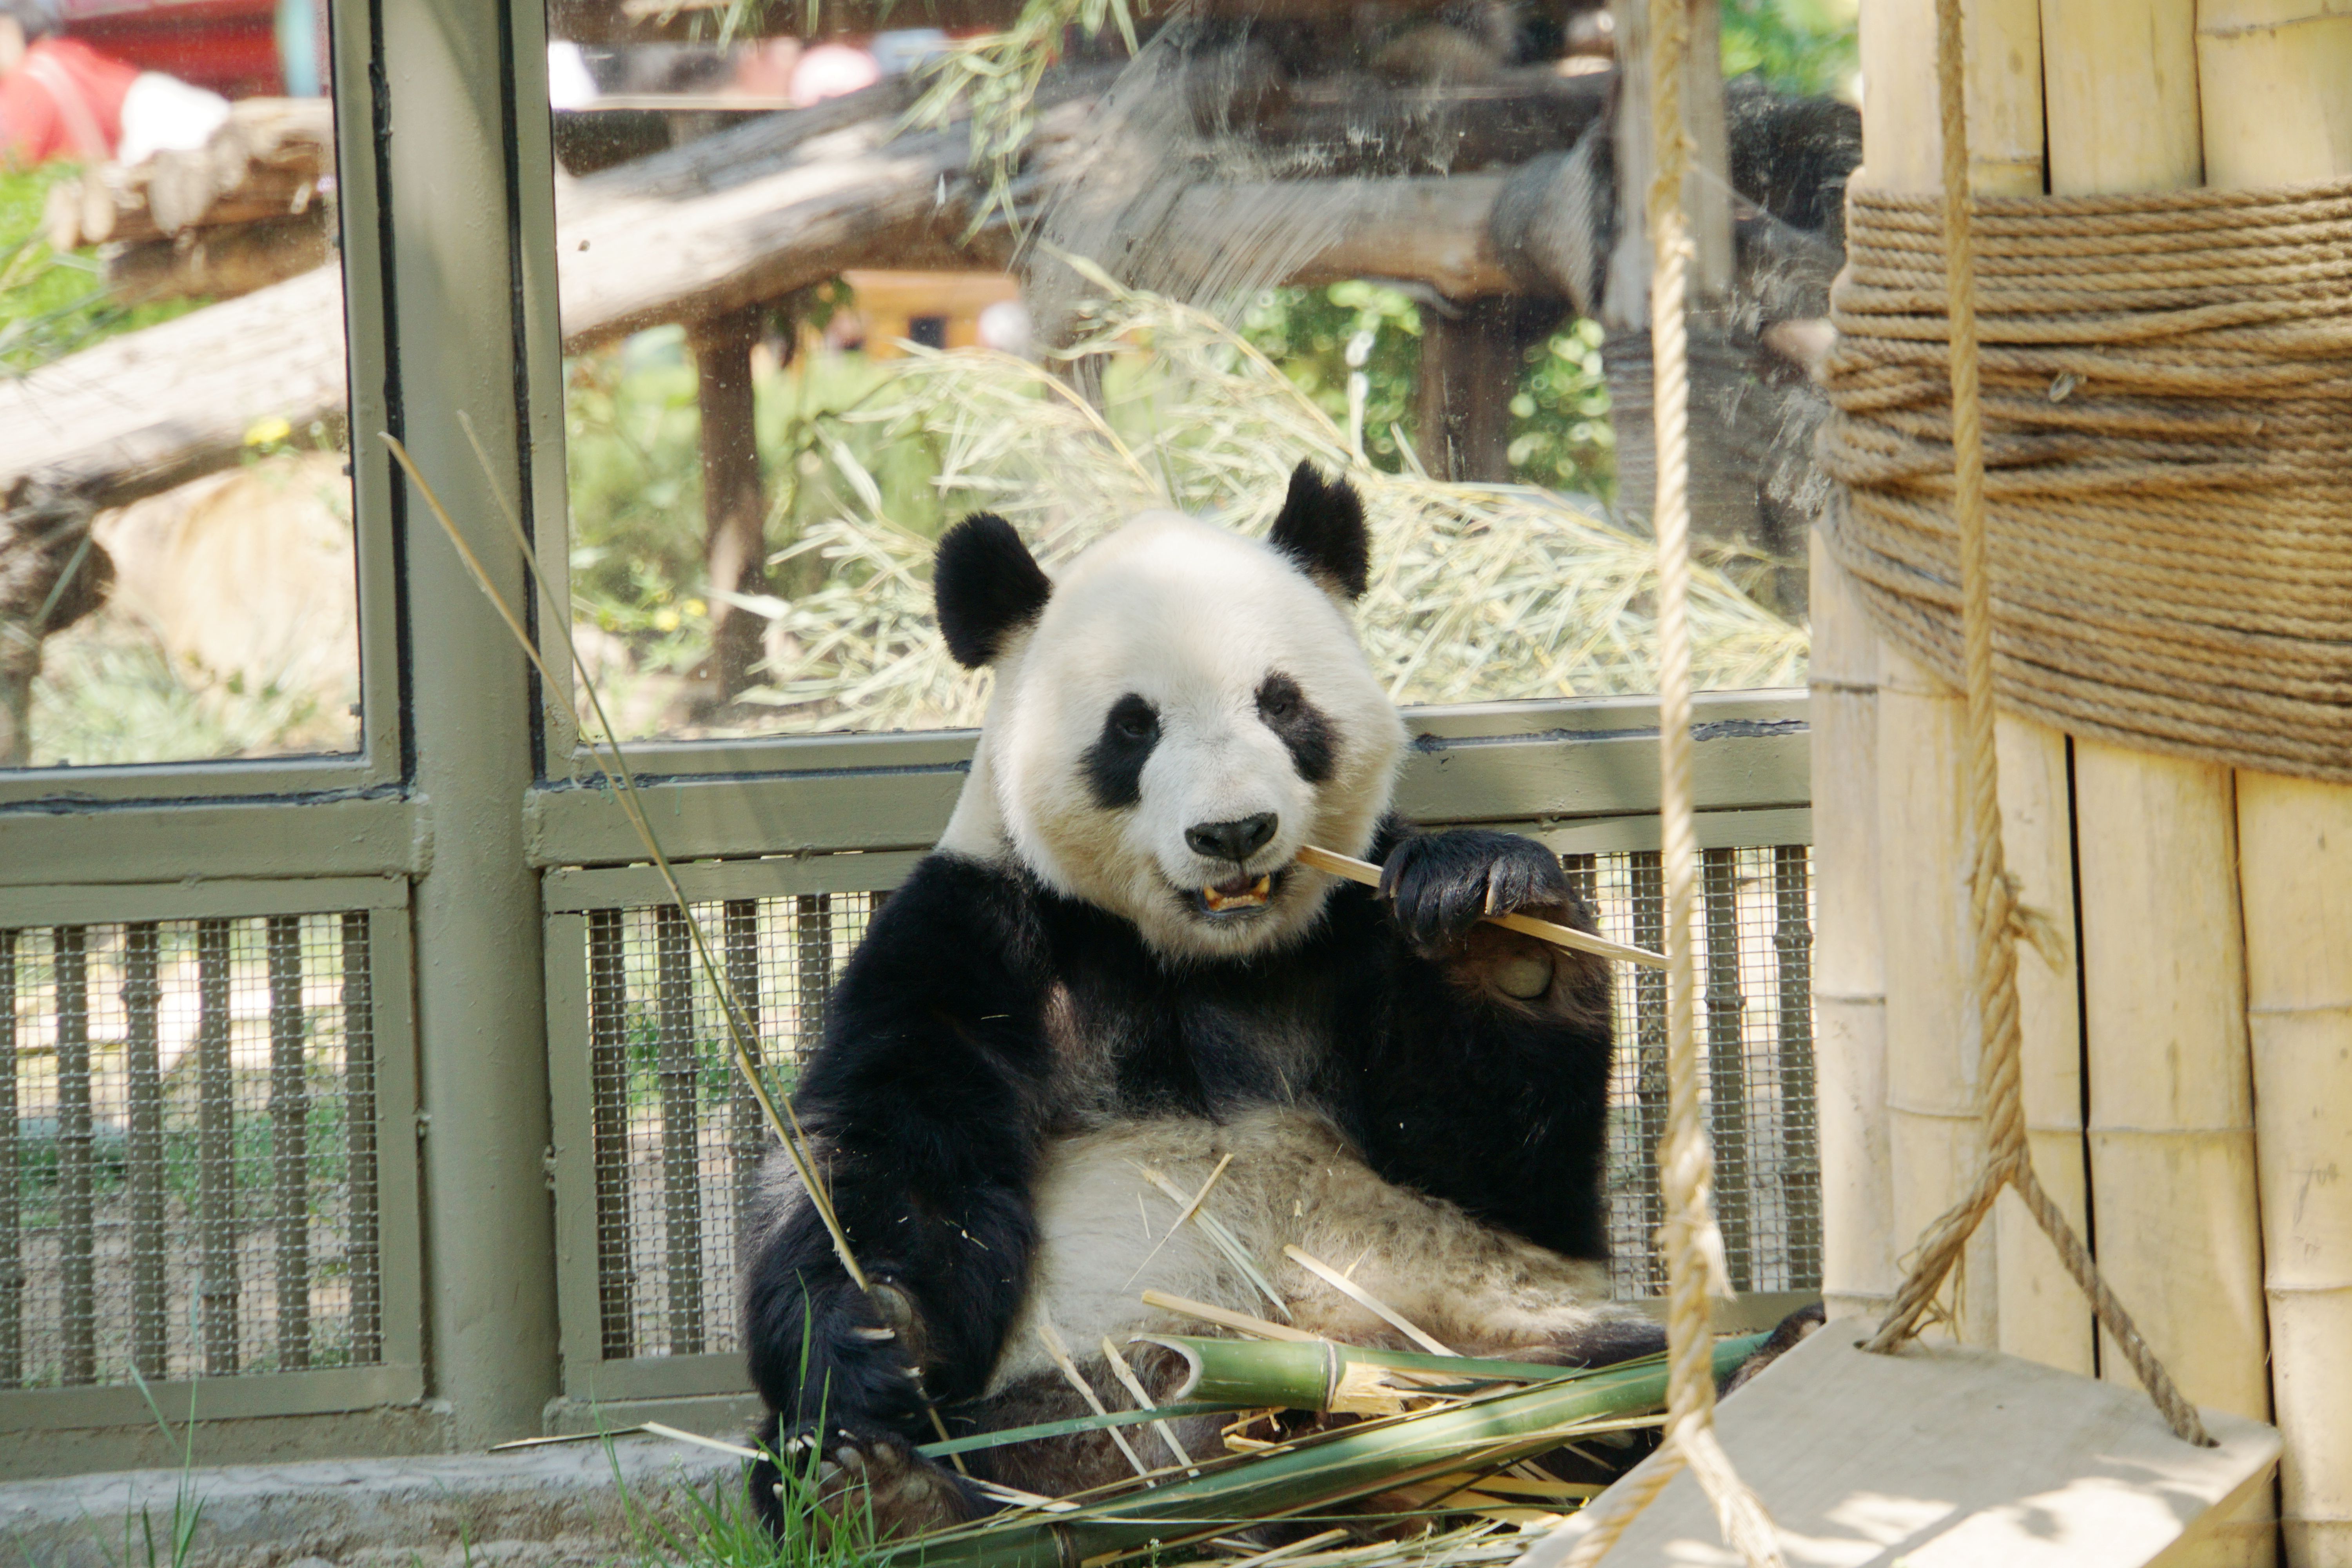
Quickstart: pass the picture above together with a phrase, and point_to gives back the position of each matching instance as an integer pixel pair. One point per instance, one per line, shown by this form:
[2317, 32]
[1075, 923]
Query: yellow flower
[695, 607]
[268, 432]
[665, 620]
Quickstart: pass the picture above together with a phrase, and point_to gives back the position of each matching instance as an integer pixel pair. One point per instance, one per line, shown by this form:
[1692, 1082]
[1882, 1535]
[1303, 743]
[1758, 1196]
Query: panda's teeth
[1217, 899]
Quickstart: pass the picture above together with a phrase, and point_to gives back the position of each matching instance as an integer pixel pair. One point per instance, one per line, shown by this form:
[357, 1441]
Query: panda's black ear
[987, 586]
[1322, 529]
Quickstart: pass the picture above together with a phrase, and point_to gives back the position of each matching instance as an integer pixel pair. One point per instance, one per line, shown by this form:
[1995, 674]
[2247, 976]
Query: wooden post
[734, 501]
[1935, 1134]
[2171, 1114]
[2271, 78]
[1464, 391]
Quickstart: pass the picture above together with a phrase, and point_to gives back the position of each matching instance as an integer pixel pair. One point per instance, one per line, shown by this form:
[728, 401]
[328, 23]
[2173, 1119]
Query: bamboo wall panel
[2275, 89]
[2043, 1314]
[2164, 1039]
[2171, 1124]
[1858, 1246]
[2295, 874]
[1934, 1137]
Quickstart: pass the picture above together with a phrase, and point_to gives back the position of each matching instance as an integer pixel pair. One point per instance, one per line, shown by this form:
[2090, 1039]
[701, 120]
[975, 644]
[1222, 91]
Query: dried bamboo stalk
[1367, 873]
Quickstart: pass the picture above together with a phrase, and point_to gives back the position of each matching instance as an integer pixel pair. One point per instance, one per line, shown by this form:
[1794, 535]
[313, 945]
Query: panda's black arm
[921, 1102]
[1484, 1076]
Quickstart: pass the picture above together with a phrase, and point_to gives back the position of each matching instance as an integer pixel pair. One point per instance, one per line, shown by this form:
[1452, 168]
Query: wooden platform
[1944, 1457]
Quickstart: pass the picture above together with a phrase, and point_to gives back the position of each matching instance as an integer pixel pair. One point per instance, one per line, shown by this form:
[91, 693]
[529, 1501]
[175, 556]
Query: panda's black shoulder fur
[938, 1085]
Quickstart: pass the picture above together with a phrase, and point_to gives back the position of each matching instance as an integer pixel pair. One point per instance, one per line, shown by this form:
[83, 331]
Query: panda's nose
[1236, 840]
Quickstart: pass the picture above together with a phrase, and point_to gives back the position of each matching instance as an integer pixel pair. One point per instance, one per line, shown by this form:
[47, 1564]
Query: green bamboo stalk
[1308, 1374]
[1313, 1474]
[1077, 1423]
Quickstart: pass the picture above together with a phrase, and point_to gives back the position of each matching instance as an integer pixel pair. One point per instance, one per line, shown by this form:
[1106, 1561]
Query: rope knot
[2028, 923]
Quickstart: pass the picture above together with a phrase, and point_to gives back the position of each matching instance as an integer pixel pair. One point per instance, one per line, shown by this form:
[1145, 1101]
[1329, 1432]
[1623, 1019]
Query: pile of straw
[1479, 592]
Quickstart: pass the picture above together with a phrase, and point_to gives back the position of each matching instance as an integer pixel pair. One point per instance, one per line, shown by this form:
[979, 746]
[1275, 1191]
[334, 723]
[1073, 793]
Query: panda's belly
[1105, 1237]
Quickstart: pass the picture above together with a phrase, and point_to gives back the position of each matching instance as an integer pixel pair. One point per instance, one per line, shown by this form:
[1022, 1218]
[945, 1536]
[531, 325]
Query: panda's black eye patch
[1299, 725]
[1114, 763]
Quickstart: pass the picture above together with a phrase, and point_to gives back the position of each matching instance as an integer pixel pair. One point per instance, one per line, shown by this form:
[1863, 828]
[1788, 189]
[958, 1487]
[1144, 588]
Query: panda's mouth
[1241, 895]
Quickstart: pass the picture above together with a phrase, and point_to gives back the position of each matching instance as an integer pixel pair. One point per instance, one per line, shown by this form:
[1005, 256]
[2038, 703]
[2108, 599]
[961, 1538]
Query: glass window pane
[831, 281]
[177, 561]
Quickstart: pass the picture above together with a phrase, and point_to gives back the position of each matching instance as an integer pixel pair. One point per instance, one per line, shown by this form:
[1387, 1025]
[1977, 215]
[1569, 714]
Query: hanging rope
[1992, 897]
[1691, 1243]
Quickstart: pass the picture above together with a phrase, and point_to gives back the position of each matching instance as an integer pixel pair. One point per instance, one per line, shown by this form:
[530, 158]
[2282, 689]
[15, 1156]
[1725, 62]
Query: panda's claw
[1439, 885]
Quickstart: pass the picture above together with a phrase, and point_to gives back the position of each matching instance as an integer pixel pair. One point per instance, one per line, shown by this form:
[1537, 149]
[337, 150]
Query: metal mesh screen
[1756, 1030]
[187, 1150]
[678, 1139]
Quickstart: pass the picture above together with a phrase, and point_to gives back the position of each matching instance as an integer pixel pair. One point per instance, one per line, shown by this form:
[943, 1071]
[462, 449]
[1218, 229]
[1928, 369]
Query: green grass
[52, 305]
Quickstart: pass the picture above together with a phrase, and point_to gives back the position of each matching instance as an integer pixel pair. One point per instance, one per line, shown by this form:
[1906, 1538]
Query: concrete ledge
[576, 1505]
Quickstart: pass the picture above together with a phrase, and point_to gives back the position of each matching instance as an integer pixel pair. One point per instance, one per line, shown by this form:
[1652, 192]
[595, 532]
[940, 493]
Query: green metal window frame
[31, 1418]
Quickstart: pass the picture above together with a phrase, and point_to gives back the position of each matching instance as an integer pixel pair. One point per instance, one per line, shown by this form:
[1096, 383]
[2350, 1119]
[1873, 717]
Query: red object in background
[228, 46]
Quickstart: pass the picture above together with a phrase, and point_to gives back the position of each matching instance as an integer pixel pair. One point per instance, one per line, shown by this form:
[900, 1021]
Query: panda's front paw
[1439, 884]
[880, 1476]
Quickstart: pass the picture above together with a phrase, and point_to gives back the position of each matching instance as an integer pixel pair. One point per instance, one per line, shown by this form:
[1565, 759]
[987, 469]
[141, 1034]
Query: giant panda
[1113, 968]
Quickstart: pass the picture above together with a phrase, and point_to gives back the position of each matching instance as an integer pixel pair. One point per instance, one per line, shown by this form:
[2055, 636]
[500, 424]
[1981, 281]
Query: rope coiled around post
[1997, 918]
[2146, 359]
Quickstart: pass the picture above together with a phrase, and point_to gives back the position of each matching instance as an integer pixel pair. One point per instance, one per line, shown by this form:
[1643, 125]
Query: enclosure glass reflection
[831, 280]
[176, 563]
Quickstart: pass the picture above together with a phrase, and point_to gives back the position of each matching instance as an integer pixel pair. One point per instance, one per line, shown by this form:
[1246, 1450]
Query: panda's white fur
[1190, 617]
[1293, 1181]
[1048, 1027]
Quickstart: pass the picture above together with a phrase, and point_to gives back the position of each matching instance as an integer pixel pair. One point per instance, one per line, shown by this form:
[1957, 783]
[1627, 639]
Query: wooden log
[2271, 88]
[216, 263]
[1858, 1241]
[1936, 1136]
[269, 159]
[2171, 1124]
